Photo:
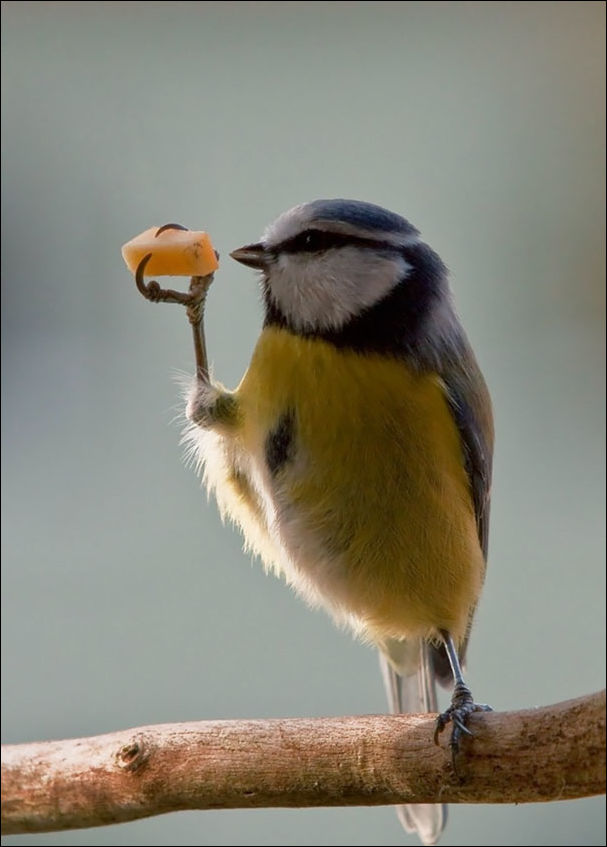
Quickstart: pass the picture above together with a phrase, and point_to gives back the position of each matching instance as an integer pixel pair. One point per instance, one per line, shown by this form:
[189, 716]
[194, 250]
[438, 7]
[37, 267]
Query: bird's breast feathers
[346, 474]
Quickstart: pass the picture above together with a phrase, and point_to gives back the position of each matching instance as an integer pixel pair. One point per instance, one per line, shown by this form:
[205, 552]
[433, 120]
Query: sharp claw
[170, 226]
[155, 293]
[462, 706]
[143, 288]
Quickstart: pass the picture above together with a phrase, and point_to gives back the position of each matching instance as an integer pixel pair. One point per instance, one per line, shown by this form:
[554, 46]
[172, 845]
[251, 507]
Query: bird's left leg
[462, 702]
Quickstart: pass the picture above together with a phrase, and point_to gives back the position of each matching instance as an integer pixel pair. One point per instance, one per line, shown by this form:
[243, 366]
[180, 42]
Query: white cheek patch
[323, 291]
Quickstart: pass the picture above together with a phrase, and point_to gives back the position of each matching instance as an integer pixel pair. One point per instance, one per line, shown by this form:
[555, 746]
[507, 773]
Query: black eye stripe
[317, 241]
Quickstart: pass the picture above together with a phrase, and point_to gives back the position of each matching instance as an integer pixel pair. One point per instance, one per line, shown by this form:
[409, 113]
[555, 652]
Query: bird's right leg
[209, 405]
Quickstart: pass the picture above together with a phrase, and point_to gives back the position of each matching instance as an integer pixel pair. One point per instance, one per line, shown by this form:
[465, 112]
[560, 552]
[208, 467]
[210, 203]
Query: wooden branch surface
[551, 753]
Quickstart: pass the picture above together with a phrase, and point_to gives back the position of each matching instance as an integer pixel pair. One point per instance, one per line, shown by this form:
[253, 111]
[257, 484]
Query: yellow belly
[372, 515]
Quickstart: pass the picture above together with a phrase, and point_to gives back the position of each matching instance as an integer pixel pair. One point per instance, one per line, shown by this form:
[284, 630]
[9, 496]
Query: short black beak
[253, 256]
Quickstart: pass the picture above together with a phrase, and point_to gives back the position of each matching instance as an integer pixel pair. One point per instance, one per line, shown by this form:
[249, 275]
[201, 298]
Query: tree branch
[552, 753]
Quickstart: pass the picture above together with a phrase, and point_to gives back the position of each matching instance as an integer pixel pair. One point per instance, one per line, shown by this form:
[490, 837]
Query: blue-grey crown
[361, 214]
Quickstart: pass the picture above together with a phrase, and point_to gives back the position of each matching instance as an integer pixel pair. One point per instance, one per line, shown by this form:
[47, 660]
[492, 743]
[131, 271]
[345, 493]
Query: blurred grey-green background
[125, 601]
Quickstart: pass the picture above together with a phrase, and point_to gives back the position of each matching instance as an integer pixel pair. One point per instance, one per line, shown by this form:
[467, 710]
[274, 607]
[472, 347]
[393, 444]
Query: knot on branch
[130, 757]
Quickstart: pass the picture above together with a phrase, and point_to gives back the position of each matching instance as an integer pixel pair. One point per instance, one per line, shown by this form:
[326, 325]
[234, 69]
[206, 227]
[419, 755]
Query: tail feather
[413, 690]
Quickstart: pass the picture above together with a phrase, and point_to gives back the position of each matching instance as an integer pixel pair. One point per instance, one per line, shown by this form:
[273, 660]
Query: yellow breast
[372, 514]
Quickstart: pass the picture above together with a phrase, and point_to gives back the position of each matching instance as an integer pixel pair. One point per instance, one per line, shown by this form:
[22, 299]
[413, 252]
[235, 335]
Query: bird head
[349, 270]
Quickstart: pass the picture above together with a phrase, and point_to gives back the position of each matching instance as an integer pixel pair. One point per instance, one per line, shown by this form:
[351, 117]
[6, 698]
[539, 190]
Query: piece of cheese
[175, 252]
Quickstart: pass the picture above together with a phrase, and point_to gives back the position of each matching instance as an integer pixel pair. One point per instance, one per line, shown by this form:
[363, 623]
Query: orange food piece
[175, 252]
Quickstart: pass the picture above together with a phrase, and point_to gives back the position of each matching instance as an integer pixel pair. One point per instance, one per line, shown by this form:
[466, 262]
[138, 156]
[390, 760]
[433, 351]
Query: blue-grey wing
[470, 405]
[471, 408]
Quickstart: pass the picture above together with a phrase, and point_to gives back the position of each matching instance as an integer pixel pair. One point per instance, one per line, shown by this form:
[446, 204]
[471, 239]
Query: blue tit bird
[355, 455]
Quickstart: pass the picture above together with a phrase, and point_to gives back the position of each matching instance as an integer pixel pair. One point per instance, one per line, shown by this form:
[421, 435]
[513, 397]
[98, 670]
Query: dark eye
[313, 240]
